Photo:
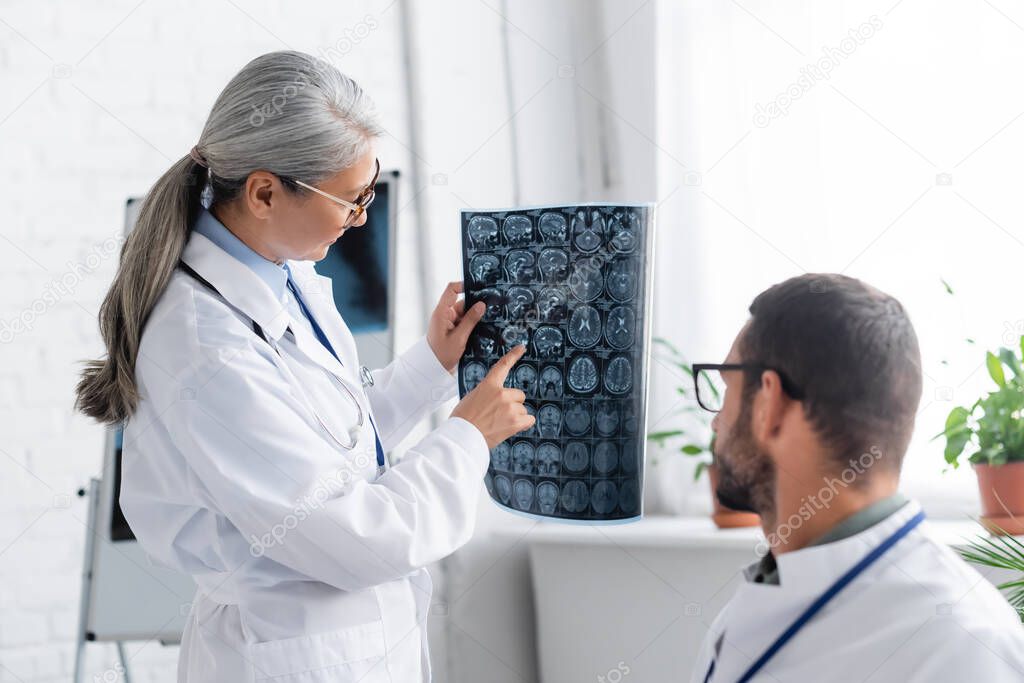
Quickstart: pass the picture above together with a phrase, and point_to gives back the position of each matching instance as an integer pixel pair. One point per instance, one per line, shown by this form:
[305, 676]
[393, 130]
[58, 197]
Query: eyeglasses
[709, 386]
[358, 208]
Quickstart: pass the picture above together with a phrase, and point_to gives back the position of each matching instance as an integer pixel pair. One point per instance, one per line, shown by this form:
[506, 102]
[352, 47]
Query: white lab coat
[310, 566]
[917, 614]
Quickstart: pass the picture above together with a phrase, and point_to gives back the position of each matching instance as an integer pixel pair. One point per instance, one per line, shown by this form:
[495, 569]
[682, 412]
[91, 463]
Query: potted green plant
[695, 439]
[1001, 552]
[991, 433]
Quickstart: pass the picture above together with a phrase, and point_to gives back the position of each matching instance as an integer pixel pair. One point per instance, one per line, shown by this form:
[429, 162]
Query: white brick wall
[98, 99]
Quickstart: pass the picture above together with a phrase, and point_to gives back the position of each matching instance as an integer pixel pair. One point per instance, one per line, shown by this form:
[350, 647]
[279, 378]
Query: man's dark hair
[853, 353]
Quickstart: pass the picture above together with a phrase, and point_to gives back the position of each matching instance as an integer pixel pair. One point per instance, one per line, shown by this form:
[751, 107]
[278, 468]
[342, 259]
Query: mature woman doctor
[254, 454]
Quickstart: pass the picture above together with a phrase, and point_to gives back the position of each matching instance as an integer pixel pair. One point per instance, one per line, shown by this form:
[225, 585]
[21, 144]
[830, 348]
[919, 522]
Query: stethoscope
[366, 379]
[278, 359]
[823, 599]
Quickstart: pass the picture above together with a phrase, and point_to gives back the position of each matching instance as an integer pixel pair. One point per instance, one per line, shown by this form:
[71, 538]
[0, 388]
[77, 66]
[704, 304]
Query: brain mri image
[627, 460]
[588, 230]
[577, 456]
[554, 265]
[573, 284]
[583, 374]
[584, 326]
[513, 336]
[518, 230]
[472, 374]
[577, 417]
[604, 497]
[503, 487]
[482, 233]
[623, 232]
[618, 377]
[629, 425]
[519, 266]
[518, 301]
[551, 305]
[525, 377]
[575, 496]
[501, 457]
[547, 497]
[548, 458]
[487, 341]
[606, 421]
[549, 421]
[629, 496]
[522, 457]
[522, 494]
[484, 268]
[553, 227]
[531, 410]
[494, 301]
[620, 327]
[606, 457]
[621, 280]
[548, 342]
[550, 382]
[585, 279]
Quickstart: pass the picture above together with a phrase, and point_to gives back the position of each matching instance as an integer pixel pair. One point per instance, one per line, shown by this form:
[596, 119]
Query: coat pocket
[348, 654]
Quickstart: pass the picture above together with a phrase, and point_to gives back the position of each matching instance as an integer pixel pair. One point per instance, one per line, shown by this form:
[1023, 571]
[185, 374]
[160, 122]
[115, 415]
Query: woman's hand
[496, 411]
[450, 325]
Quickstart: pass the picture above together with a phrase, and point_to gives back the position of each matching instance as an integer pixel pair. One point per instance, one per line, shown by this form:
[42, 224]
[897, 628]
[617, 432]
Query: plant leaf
[949, 290]
[1010, 360]
[995, 369]
[666, 343]
[699, 469]
[692, 449]
[957, 434]
[662, 436]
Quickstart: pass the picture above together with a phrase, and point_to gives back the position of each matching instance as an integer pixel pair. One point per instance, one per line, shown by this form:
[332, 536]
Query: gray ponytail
[286, 112]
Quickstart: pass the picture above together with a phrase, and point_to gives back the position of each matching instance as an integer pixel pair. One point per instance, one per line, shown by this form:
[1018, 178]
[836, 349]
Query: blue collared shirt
[276, 276]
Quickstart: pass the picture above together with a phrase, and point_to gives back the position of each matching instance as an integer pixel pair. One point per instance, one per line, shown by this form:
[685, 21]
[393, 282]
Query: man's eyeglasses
[358, 207]
[709, 387]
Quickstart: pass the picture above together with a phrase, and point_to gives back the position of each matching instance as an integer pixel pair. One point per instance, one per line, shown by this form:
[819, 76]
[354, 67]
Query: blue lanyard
[816, 606]
[327, 343]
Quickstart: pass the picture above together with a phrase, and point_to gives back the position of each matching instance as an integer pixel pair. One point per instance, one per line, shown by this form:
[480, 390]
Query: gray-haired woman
[253, 456]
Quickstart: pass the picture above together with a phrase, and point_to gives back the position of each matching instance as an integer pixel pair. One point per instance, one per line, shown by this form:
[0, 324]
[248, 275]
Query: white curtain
[877, 139]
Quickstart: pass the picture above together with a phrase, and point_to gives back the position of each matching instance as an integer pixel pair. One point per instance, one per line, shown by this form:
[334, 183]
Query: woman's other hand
[450, 325]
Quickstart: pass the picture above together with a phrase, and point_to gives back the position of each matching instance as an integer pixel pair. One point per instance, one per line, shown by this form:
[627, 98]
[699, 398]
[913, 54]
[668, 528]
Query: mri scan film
[573, 283]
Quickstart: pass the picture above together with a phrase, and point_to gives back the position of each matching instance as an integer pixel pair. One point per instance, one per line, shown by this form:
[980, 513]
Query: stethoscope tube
[278, 360]
[354, 431]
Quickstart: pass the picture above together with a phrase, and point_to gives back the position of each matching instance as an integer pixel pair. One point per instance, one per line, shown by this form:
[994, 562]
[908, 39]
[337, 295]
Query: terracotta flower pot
[1002, 497]
[724, 517]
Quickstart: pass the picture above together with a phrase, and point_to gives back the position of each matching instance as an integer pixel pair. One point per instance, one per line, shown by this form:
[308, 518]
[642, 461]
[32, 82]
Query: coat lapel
[318, 294]
[239, 285]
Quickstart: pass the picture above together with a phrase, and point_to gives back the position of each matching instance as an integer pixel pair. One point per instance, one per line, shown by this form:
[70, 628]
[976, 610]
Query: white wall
[900, 168]
[99, 100]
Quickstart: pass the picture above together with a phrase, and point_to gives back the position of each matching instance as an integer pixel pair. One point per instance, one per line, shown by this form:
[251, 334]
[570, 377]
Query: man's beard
[746, 476]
